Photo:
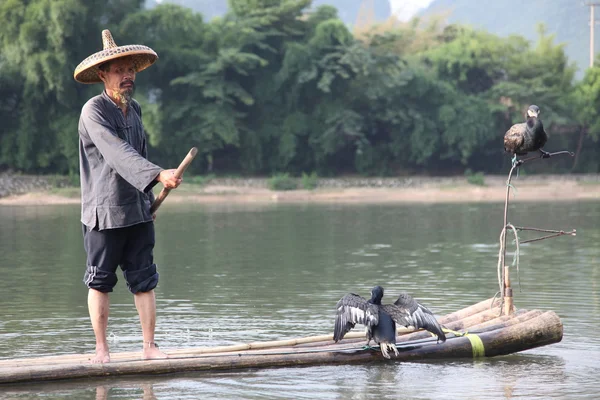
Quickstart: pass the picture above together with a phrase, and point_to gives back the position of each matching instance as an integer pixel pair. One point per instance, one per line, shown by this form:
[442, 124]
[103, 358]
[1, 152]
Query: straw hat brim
[87, 70]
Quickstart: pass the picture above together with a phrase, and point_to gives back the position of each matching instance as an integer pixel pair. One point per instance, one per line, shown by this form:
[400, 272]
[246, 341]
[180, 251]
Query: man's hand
[167, 178]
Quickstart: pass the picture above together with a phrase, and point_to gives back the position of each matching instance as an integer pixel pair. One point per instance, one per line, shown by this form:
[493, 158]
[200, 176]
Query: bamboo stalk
[134, 355]
[463, 324]
[502, 256]
[178, 173]
[469, 322]
[508, 293]
[540, 330]
[468, 311]
[503, 321]
[477, 321]
[486, 315]
[481, 309]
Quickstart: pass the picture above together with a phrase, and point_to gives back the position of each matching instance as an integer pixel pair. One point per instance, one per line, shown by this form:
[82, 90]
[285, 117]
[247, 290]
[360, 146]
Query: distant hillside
[348, 10]
[567, 19]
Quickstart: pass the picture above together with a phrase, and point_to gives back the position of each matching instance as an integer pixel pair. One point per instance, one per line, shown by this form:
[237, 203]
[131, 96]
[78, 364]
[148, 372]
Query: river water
[234, 274]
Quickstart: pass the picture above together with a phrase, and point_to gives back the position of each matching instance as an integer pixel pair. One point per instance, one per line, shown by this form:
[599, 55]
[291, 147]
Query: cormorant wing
[514, 137]
[353, 309]
[406, 311]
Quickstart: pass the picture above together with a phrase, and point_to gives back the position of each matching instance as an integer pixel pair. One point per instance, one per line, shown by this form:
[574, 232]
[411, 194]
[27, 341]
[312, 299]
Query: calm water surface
[236, 274]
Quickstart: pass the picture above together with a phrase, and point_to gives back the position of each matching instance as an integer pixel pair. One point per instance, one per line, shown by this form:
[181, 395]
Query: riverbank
[30, 190]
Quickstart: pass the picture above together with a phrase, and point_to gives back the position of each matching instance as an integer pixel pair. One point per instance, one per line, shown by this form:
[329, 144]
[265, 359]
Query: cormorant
[380, 319]
[527, 136]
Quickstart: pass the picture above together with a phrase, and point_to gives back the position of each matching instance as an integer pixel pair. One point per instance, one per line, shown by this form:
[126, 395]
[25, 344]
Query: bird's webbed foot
[545, 154]
[385, 349]
[515, 162]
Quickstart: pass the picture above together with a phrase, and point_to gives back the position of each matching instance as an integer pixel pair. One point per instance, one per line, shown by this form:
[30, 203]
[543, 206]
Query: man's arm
[118, 154]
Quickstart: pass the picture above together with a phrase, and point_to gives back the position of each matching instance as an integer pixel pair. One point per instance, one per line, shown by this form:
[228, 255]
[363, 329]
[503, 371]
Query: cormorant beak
[532, 113]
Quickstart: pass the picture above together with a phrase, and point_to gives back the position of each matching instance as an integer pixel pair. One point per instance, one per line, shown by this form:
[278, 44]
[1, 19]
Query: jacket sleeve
[148, 188]
[119, 154]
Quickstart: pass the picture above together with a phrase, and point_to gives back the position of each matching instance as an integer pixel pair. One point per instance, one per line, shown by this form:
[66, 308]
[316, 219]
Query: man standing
[116, 190]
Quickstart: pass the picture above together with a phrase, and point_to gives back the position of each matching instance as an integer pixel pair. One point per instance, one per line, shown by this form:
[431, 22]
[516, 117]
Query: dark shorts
[130, 247]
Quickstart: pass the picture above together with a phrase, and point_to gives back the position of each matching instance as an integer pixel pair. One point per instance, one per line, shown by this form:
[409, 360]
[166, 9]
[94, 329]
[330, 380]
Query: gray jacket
[116, 177]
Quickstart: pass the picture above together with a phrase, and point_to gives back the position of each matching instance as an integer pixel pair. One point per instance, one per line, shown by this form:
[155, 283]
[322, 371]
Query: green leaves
[269, 88]
[587, 100]
[41, 42]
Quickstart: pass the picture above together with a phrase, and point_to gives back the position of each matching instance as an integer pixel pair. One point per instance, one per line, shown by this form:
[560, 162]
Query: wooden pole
[484, 321]
[471, 310]
[541, 330]
[592, 23]
[592, 6]
[508, 293]
[462, 319]
[503, 321]
[178, 173]
[502, 268]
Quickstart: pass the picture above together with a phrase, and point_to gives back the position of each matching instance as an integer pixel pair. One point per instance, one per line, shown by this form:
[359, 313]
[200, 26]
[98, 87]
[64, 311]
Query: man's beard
[126, 94]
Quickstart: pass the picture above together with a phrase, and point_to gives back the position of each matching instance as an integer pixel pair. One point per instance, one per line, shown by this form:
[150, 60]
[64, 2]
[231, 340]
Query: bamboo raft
[481, 330]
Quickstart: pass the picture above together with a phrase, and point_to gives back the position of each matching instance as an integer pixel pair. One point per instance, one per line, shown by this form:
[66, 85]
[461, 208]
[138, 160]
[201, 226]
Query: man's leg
[103, 249]
[98, 306]
[145, 302]
[142, 277]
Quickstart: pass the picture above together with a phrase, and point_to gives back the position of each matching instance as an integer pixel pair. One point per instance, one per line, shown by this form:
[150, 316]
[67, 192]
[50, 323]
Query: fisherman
[116, 190]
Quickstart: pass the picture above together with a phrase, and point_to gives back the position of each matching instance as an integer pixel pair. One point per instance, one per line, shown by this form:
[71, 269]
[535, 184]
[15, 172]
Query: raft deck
[488, 334]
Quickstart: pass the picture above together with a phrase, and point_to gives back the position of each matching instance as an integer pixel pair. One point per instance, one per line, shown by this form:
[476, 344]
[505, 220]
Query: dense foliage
[269, 88]
[568, 19]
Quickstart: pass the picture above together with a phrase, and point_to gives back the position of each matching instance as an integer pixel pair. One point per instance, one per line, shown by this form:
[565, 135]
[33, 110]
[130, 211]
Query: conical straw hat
[87, 70]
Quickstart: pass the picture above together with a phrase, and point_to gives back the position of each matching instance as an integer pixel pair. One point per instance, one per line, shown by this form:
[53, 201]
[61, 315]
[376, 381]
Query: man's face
[119, 78]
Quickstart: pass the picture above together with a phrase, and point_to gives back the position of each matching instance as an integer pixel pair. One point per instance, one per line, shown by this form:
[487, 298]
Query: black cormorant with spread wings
[528, 136]
[380, 319]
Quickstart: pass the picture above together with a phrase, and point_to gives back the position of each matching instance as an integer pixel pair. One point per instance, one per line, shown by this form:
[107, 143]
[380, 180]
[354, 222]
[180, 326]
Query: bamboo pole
[504, 321]
[472, 317]
[482, 309]
[468, 311]
[508, 293]
[540, 330]
[134, 355]
[178, 173]
[273, 346]
[461, 320]
[502, 257]
[473, 320]
[479, 322]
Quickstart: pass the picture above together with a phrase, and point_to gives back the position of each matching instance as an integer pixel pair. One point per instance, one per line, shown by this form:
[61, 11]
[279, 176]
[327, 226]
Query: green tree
[39, 41]
[270, 88]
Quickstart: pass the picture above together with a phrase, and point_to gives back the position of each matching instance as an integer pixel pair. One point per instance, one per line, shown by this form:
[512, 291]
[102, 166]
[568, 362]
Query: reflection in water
[102, 389]
[102, 392]
[516, 376]
[238, 274]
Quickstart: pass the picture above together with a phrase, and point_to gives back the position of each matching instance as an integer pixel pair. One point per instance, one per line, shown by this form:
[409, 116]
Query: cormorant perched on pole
[528, 136]
[380, 319]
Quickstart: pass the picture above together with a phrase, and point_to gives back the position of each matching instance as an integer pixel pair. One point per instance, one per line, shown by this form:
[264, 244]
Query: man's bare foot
[102, 356]
[151, 352]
